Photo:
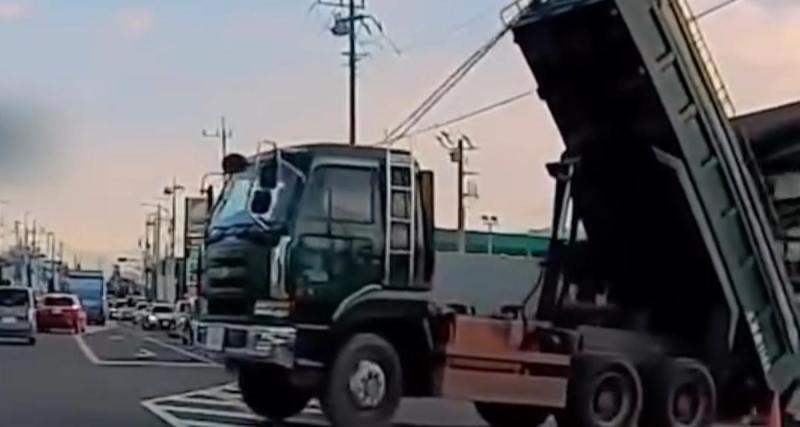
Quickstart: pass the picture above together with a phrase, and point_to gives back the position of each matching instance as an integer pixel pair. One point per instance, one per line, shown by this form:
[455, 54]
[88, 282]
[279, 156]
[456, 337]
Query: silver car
[18, 314]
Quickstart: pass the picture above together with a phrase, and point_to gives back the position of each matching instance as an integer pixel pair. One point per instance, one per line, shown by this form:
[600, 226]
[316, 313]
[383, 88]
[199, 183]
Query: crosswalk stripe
[223, 406]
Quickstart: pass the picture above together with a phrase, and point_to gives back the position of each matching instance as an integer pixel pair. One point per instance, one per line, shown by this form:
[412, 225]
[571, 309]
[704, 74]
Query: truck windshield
[233, 200]
[233, 205]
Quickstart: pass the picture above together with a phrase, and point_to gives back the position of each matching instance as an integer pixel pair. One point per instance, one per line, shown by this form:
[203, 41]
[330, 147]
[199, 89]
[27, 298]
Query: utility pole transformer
[457, 149]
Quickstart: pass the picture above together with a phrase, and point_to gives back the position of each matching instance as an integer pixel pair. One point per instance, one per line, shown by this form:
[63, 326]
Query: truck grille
[229, 306]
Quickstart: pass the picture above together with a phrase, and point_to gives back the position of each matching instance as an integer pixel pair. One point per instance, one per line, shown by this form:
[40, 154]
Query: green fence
[513, 244]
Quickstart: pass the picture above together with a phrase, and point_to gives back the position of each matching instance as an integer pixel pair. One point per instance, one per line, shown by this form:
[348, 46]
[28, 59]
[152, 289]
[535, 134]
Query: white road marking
[91, 329]
[92, 357]
[144, 353]
[182, 351]
[209, 401]
[86, 350]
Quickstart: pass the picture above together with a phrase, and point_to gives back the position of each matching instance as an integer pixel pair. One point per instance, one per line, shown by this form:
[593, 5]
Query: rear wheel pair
[609, 392]
[678, 393]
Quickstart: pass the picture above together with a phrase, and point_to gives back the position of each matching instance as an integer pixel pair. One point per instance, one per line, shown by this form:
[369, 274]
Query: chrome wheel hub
[368, 384]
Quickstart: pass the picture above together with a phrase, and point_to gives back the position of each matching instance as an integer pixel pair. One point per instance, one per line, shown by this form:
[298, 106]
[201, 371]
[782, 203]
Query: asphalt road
[122, 376]
[54, 383]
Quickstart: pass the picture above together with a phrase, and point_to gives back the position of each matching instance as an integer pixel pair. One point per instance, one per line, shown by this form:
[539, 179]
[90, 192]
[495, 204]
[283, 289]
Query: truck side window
[345, 192]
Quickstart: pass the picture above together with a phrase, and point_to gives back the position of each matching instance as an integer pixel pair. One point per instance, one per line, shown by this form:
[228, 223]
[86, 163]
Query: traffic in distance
[313, 282]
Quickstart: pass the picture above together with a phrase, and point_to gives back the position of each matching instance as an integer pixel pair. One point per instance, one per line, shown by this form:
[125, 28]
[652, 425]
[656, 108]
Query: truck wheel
[505, 415]
[679, 393]
[365, 383]
[269, 393]
[602, 392]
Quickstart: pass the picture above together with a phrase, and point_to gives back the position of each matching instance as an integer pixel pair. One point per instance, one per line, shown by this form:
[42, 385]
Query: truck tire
[269, 393]
[678, 393]
[506, 415]
[365, 383]
[603, 391]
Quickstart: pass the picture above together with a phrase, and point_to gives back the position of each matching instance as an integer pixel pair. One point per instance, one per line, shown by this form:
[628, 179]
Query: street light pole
[490, 221]
[51, 253]
[156, 244]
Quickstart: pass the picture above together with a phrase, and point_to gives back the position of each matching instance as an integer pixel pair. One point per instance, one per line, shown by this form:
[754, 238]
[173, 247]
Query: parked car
[160, 316]
[141, 310]
[61, 311]
[128, 310]
[17, 314]
[114, 309]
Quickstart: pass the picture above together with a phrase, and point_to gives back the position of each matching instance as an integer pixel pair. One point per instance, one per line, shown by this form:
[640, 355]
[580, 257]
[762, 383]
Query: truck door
[337, 242]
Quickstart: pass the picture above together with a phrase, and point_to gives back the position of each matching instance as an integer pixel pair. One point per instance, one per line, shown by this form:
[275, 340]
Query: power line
[407, 125]
[460, 118]
[713, 9]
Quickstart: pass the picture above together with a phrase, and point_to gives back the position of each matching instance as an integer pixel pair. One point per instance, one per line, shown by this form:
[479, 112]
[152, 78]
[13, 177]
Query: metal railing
[712, 72]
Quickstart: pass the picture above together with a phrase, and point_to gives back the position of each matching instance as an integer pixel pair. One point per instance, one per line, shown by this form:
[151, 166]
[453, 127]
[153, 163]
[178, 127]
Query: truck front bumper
[253, 343]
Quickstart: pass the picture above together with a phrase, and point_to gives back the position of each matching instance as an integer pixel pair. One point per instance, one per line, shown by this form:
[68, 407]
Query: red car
[61, 311]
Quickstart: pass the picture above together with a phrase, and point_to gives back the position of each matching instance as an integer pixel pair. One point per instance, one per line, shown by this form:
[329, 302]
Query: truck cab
[307, 249]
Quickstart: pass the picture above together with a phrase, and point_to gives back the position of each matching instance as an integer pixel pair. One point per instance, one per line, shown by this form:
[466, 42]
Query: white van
[18, 314]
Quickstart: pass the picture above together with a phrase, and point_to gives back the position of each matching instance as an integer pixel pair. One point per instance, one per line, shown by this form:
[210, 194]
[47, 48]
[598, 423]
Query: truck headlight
[152, 319]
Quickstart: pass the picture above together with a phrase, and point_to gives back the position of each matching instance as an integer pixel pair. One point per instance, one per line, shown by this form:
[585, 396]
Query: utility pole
[3, 203]
[51, 253]
[156, 244]
[16, 234]
[172, 191]
[25, 230]
[157, 250]
[223, 133]
[456, 150]
[33, 237]
[348, 25]
[352, 63]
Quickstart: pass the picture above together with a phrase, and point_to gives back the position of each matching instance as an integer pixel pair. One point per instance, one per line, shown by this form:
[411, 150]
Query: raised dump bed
[674, 218]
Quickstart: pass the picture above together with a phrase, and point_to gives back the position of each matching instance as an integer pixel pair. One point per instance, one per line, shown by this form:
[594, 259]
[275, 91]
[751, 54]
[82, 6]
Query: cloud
[10, 11]
[135, 24]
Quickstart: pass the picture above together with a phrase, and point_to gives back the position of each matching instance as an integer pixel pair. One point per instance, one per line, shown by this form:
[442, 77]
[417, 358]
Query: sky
[106, 99]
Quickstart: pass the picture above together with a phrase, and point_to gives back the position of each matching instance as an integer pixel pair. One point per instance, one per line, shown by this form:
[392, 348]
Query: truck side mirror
[262, 200]
[234, 163]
